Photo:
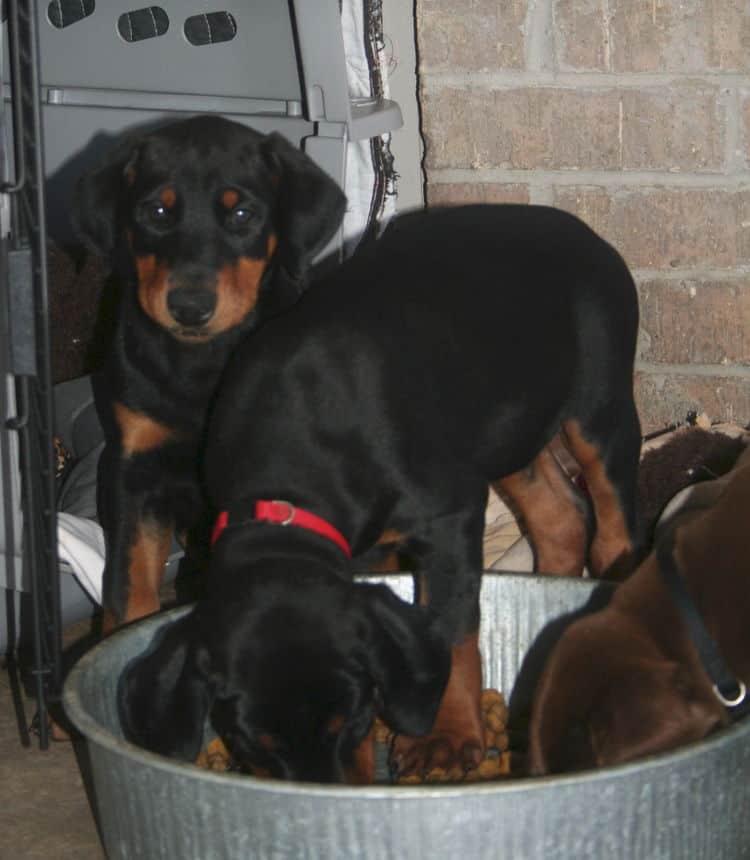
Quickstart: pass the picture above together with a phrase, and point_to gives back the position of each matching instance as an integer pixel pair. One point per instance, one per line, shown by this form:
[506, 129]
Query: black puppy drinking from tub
[441, 358]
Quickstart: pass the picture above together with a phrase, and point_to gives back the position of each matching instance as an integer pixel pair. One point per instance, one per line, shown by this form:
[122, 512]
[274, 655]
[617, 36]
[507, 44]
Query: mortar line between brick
[731, 100]
[731, 371]
[610, 179]
[539, 48]
[607, 35]
[738, 273]
[434, 79]
[542, 194]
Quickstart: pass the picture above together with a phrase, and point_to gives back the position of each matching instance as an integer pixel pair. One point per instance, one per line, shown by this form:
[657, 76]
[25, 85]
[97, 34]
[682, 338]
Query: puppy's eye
[239, 217]
[158, 214]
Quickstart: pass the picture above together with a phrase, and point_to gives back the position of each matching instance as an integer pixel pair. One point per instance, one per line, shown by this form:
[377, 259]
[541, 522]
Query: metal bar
[34, 419]
[16, 95]
[136, 100]
[50, 622]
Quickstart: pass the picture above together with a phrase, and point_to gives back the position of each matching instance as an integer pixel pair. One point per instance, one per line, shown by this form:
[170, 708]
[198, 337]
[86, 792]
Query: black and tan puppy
[212, 228]
[628, 681]
[442, 357]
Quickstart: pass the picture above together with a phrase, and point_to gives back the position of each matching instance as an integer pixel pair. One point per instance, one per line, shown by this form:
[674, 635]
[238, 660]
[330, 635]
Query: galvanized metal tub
[690, 804]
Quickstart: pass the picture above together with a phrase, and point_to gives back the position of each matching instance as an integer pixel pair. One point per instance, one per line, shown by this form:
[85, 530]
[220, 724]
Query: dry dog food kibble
[495, 765]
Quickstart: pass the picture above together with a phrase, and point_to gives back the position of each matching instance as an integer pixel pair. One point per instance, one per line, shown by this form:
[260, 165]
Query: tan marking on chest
[139, 432]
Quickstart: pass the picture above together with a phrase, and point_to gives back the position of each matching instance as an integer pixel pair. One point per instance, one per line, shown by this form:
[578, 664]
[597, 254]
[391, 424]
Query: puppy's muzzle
[191, 306]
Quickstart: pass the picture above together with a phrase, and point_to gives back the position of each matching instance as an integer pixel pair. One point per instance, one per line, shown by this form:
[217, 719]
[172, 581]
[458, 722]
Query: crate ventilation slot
[147, 23]
[140, 24]
[210, 28]
[63, 13]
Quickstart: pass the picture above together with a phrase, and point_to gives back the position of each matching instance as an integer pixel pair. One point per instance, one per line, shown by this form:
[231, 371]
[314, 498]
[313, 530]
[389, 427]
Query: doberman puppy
[211, 228]
[444, 356]
[629, 681]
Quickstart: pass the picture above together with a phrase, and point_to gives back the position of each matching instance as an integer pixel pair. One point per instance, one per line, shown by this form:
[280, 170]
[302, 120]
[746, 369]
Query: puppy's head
[608, 696]
[212, 221]
[291, 682]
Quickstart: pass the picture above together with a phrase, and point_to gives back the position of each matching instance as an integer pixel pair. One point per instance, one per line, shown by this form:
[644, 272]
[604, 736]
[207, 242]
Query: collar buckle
[286, 521]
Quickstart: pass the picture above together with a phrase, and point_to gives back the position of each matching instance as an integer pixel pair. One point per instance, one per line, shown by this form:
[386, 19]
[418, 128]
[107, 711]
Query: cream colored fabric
[501, 532]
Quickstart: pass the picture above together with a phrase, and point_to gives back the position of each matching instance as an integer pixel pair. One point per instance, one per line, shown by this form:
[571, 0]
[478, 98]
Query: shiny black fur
[443, 356]
[165, 368]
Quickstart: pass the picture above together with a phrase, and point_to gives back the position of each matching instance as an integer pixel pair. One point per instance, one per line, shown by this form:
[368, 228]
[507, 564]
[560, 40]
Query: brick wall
[636, 116]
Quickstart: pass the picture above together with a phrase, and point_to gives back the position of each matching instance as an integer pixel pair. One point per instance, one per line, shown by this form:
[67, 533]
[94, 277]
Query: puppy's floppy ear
[600, 702]
[164, 695]
[409, 660]
[311, 207]
[96, 197]
[559, 735]
[652, 708]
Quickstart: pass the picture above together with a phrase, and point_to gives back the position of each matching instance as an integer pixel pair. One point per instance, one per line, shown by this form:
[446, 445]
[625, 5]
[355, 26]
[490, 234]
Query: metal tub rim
[94, 732]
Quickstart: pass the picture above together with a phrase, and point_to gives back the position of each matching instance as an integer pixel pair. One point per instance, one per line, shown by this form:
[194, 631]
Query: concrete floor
[44, 807]
[45, 810]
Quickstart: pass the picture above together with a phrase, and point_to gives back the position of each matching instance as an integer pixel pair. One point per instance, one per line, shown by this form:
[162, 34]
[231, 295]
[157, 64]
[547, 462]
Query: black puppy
[444, 356]
[211, 228]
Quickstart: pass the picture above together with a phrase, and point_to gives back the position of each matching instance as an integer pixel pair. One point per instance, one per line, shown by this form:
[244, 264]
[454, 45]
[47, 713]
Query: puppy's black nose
[191, 306]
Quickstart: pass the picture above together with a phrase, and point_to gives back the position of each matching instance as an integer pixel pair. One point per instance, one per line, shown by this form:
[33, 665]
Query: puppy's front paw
[456, 742]
[454, 750]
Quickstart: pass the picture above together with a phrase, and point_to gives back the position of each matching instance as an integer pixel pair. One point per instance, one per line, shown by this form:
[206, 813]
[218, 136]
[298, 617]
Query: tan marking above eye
[138, 431]
[336, 723]
[130, 174]
[168, 197]
[391, 536]
[230, 198]
[268, 742]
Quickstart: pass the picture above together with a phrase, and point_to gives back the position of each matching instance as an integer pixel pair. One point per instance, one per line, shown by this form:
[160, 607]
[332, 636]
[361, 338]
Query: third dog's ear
[311, 206]
[603, 700]
[654, 707]
[164, 695]
[410, 661]
[96, 197]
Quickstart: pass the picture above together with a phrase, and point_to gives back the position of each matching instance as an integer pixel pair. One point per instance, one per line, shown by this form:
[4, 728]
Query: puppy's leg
[554, 514]
[608, 452]
[450, 561]
[457, 738]
[137, 551]
[135, 513]
[143, 556]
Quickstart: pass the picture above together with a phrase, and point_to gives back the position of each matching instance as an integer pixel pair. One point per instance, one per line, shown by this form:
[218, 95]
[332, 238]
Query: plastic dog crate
[75, 74]
[110, 65]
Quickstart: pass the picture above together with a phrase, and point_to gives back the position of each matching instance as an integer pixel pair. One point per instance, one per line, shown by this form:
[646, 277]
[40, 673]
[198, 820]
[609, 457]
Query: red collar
[286, 514]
